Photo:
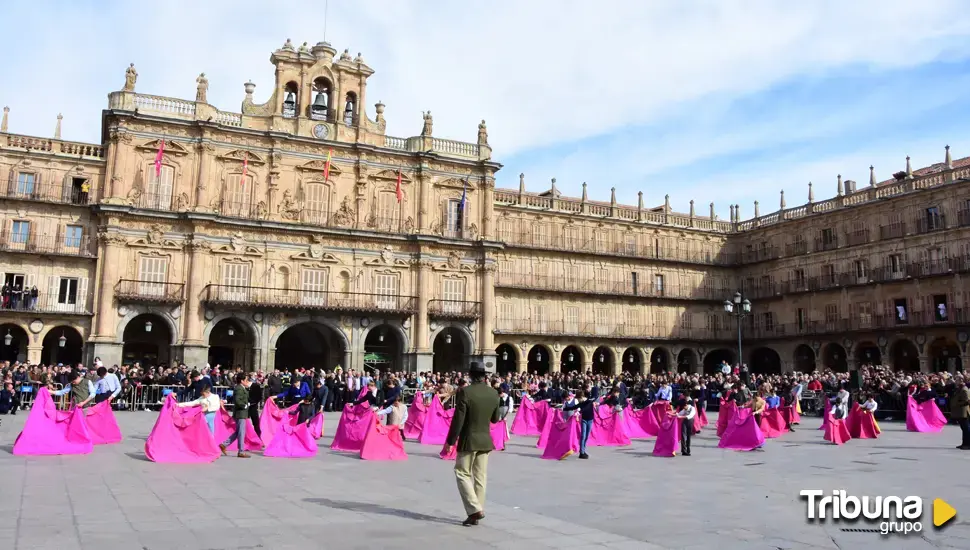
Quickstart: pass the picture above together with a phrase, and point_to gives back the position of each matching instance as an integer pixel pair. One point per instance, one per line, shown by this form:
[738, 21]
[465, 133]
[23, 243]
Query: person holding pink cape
[210, 403]
[587, 412]
[686, 413]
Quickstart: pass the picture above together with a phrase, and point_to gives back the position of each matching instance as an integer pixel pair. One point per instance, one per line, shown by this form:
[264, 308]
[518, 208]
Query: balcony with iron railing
[863, 323]
[647, 251]
[796, 248]
[608, 288]
[761, 289]
[759, 254]
[611, 331]
[929, 224]
[454, 309]
[826, 243]
[54, 193]
[855, 238]
[62, 303]
[128, 290]
[963, 218]
[31, 243]
[299, 299]
[892, 231]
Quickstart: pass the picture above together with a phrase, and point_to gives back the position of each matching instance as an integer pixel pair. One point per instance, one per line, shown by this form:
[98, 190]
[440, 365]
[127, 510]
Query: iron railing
[291, 298]
[67, 303]
[455, 309]
[45, 192]
[32, 243]
[129, 290]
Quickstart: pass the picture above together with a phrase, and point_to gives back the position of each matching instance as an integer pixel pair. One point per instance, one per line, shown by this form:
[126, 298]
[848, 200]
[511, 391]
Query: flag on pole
[397, 190]
[158, 159]
[242, 180]
[326, 167]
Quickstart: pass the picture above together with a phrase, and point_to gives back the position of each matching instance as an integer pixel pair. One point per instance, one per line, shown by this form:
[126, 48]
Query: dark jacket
[476, 408]
[240, 402]
[960, 403]
[587, 409]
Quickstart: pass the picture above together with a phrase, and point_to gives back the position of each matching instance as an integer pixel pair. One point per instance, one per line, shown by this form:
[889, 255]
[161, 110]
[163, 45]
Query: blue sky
[724, 102]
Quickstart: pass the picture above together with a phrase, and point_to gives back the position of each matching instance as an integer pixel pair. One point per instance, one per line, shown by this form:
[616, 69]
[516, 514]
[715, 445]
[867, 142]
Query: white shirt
[870, 406]
[687, 413]
[570, 403]
[209, 404]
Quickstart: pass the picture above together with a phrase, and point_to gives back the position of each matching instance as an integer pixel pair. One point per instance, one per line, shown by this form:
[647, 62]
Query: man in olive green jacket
[960, 410]
[240, 412]
[476, 408]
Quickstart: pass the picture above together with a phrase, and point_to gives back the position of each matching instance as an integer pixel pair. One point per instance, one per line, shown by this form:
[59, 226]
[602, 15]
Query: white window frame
[387, 288]
[19, 233]
[158, 192]
[152, 274]
[317, 203]
[452, 294]
[313, 286]
[236, 281]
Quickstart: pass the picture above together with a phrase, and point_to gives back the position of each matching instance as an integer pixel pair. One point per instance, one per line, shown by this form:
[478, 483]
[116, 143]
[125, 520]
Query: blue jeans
[210, 419]
[585, 426]
[239, 436]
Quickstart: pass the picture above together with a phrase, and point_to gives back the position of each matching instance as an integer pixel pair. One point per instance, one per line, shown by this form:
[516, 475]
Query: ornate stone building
[298, 233]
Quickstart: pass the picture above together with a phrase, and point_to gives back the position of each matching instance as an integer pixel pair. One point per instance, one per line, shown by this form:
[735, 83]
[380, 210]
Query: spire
[692, 208]
[840, 190]
[737, 212]
[522, 183]
[713, 217]
[782, 199]
[909, 168]
[667, 204]
[613, 196]
[57, 129]
[553, 189]
[811, 193]
[584, 191]
[640, 201]
[3, 123]
[872, 176]
[948, 161]
[731, 206]
[757, 213]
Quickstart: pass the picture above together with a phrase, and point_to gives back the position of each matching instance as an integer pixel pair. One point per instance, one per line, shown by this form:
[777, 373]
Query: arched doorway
[506, 359]
[571, 359]
[14, 343]
[765, 361]
[659, 361]
[450, 351]
[383, 350]
[867, 353]
[714, 359]
[147, 340]
[603, 361]
[630, 362]
[804, 358]
[231, 345]
[687, 361]
[539, 358]
[308, 345]
[834, 357]
[905, 355]
[63, 344]
[945, 356]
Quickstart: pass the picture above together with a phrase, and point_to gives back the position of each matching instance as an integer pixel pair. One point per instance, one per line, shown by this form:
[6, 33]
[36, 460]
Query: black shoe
[685, 454]
[473, 519]
[964, 447]
[584, 456]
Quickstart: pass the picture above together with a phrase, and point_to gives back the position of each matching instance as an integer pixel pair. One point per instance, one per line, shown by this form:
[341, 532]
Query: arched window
[290, 99]
[322, 90]
[350, 109]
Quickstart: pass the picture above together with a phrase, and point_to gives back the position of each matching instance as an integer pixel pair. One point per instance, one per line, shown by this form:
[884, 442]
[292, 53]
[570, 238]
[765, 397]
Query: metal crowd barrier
[27, 392]
[152, 397]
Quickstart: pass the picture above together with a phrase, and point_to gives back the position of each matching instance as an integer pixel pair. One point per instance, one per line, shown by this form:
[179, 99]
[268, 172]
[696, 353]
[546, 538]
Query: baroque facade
[297, 233]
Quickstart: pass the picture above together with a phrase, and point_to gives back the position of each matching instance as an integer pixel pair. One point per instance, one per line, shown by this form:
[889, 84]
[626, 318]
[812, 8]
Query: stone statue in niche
[409, 225]
[131, 76]
[289, 209]
[261, 210]
[133, 196]
[181, 202]
[482, 134]
[345, 214]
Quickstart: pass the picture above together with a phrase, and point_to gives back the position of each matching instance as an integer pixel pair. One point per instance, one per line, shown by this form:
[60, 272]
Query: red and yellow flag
[158, 159]
[326, 167]
[397, 190]
[245, 169]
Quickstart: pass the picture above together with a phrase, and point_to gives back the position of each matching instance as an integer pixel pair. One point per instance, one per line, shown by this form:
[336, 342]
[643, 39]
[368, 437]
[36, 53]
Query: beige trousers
[471, 471]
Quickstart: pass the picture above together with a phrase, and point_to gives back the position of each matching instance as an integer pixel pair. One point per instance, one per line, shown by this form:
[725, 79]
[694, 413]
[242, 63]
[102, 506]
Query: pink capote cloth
[499, 432]
[852, 419]
[837, 432]
[316, 426]
[863, 424]
[545, 427]
[725, 413]
[436, 423]
[607, 429]
[698, 423]
[702, 414]
[773, 423]
[382, 443]
[102, 425]
[226, 426]
[659, 410]
[525, 421]
[292, 440]
[563, 437]
[417, 412]
[826, 414]
[741, 432]
[923, 417]
[668, 440]
[543, 412]
[354, 424]
[640, 424]
[180, 436]
[52, 432]
[272, 418]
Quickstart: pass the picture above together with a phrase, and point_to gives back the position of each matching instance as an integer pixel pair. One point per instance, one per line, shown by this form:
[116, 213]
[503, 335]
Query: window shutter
[11, 182]
[31, 236]
[66, 188]
[37, 183]
[53, 282]
[28, 282]
[444, 217]
[60, 243]
[82, 294]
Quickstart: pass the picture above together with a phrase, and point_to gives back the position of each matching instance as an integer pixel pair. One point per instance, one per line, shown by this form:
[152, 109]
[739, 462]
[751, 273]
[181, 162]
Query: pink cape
[52, 432]
[383, 443]
[436, 423]
[668, 440]
[852, 419]
[416, 415]
[525, 421]
[863, 424]
[272, 418]
[354, 424]
[316, 426]
[773, 423]
[923, 417]
[640, 424]
[837, 432]
[101, 423]
[292, 440]
[725, 413]
[226, 426]
[607, 429]
[563, 437]
[742, 433]
[702, 414]
[181, 436]
[499, 432]
[544, 429]
[826, 414]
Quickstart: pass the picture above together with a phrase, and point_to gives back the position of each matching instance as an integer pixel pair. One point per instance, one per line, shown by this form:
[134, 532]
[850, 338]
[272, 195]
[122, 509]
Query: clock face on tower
[320, 131]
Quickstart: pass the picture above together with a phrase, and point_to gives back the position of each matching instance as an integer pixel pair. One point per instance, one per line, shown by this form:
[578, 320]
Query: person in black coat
[320, 395]
[587, 412]
[9, 400]
[255, 400]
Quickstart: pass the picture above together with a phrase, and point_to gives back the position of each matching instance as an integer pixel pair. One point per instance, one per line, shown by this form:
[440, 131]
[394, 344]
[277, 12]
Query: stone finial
[584, 191]
[872, 176]
[552, 189]
[428, 127]
[811, 193]
[757, 211]
[692, 208]
[249, 87]
[613, 196]
[131, 77]
[482, 133]
[948, 161]
[909, 168]
[713, 216]
[782, 199]
[522, 182]
[667, 204]
[288, 45]
[57, 128]
[840, 190]
[737, 212]
[305, 48]
[640, 200]
[6, 116]
[731, 206]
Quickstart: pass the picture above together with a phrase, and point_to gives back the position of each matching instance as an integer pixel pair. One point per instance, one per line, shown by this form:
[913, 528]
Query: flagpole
[326, 8]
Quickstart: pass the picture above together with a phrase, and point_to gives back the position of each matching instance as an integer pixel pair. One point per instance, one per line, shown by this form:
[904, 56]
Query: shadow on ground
[369, 508]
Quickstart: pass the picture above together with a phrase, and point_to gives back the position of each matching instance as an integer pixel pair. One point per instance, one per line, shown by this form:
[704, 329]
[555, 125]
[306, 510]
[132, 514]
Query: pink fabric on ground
[292, 440]
[702, 414]
[525, 421]
[725, 413]
[864, 426]
[607, 429]
[636, 423]
[544, 429]
[563, 437]
[923, 417]
[383, 443]
[742, 433]
[354, 424]
[668, 440]
[795, 417]
[226, 426]
[837, 432]
[52, 432]
[773, 423]
[272, 418]
[852, 419]
[102, 425]
[436, 424]
[316, 426]
[180, 435]
[698, 423]
[417, 412]
[826, 413]
[500, 434]
[544, 411]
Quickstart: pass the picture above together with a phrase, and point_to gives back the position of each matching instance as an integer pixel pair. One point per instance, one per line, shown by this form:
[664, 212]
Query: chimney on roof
[584, 191]
[666, 204]
[849, 186]
[872, 176]
[948, 161]
[613, 197]
[839, 190]
[737, 212]
[522, 183]
[713, 216]
[692, 209]
[639, 201]
[731, 206]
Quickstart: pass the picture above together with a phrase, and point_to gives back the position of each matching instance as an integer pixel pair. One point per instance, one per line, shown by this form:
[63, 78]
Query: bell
[290, 100]
[320, 102]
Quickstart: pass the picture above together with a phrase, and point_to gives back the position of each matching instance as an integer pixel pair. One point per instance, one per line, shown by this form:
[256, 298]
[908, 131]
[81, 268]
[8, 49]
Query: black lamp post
[738, 307]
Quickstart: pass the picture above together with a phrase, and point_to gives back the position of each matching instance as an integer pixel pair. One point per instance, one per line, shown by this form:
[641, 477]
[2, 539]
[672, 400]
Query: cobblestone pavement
[621, 498]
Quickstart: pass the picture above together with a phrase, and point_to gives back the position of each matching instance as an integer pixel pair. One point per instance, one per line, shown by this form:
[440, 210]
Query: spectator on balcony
[85, 189]
[16, 292]
[5, 295]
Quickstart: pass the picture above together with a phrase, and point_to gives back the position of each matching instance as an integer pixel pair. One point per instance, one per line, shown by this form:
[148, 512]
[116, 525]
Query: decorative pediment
[315, 252]
[239, 155]
[391, 175]
[454, 263]
[237, 245]
[320, 166]
[155, 238]
[171, 147]
[456, 183]
[387, 258]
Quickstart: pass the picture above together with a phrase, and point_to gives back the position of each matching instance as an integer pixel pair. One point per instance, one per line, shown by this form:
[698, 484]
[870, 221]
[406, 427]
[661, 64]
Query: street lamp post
[738, 307]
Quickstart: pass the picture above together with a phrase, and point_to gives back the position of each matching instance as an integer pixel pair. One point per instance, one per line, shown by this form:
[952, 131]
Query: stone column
[523, 364]
[645, 364]
[587, 362]
[487, 325]
[201, 182]
[924, 364]
[195, 350]
[109, 276]
[33, 354]
[422, 348]
[488, 210]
